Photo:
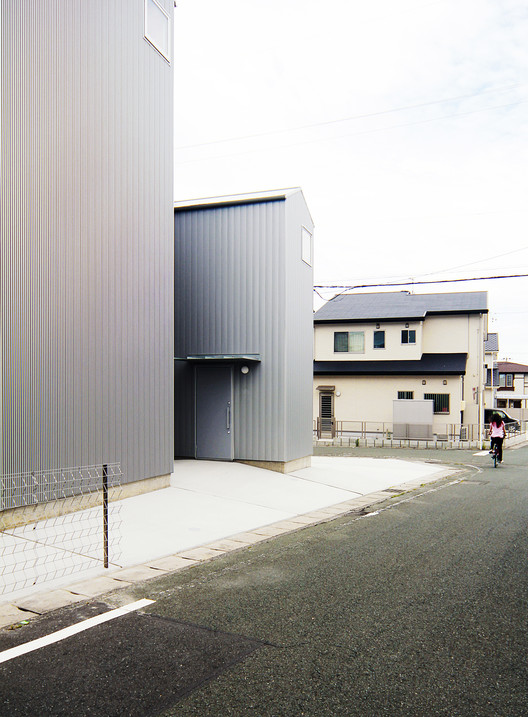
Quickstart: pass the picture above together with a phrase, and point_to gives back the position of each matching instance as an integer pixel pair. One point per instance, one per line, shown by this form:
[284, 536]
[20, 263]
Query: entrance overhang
[224, 358]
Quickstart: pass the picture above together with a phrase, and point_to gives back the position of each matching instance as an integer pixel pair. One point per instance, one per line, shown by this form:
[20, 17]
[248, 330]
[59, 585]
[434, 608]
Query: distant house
[491, 352]
[512, 388]
[422, 354]
[243, 329]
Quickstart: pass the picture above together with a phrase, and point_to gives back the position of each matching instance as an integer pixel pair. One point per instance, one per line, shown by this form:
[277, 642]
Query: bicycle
[495, 455]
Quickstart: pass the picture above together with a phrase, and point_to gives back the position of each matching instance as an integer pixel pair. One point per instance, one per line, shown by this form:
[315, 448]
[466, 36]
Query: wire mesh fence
[56, 523]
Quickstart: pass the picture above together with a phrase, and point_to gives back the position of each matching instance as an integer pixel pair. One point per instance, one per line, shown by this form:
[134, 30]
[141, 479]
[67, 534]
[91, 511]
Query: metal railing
[448, 432]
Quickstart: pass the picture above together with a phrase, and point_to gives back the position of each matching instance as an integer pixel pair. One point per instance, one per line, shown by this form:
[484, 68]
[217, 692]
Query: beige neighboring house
[381, 356]
[491, 353]
[511, 391]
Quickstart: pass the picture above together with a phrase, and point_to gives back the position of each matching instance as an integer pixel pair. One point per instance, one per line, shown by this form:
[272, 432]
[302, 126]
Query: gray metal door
[214, 417]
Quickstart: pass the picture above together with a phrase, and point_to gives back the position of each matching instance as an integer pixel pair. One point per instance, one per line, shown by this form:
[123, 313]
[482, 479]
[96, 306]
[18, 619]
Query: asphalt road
[416, 609]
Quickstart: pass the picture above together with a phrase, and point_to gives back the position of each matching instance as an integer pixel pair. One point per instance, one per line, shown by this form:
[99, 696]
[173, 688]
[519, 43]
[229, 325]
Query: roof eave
[229, 200]
[393, 319]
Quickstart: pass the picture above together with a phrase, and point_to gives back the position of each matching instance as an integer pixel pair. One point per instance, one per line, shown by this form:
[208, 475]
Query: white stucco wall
[370, 398]
[394, 349]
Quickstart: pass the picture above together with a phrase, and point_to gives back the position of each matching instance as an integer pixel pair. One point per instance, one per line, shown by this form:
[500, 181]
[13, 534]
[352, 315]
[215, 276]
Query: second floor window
[506, 380]
[352, 342]
[379, 339]
[408, 336]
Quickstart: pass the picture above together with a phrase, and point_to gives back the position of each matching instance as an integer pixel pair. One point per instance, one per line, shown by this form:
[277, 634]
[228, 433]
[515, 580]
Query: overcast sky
[403, 121]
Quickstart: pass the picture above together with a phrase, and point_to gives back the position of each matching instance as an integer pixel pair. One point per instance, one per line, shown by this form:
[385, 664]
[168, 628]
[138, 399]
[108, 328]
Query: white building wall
[370, 398]
[394, 349]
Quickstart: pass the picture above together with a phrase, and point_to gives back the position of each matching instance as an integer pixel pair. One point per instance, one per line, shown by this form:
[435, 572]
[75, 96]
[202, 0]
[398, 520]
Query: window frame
[378, 331]
[349, 334]
[338, 350]
[409, 396]
[306, 246]
[437, 399]
[408, 332]
[150, 38]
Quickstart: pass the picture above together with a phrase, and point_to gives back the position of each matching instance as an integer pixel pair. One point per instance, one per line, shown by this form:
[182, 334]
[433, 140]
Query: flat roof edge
[234, 199]
[202, 358]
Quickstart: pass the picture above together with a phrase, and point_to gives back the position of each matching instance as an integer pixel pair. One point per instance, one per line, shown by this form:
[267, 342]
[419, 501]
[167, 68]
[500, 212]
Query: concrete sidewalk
[213, 507]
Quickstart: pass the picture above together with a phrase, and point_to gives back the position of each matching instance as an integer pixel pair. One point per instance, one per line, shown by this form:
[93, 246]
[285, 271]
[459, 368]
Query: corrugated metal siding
[299, 333]
[86, 282]
[234, 279]
[184, 415]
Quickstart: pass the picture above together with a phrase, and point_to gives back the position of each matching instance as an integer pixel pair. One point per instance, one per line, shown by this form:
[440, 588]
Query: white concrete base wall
[282, 466]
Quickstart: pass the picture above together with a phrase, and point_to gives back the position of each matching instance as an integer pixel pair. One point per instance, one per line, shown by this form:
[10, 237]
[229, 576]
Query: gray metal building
[243, 329]
[86, 280]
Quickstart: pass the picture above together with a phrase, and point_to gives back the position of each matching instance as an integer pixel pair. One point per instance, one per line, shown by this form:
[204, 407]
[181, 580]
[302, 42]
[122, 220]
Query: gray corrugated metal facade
[242, 288]
[86, 281]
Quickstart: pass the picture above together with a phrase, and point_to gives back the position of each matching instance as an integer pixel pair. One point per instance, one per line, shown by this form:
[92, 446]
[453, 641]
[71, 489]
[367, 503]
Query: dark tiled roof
[428, 365]
[492, 343]
[399, 305]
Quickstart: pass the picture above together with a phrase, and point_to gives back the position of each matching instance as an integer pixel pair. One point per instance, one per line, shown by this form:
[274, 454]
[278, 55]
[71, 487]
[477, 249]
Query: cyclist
[497, 431]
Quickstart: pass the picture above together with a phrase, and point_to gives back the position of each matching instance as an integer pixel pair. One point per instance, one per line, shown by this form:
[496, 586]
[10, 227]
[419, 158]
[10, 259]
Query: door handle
[228, 418]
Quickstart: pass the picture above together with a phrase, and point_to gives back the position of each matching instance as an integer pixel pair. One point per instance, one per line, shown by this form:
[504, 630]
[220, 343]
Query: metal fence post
[105, 514]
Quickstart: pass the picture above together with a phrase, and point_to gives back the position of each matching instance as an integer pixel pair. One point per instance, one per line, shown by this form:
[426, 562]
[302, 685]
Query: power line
[462, 266]
[414, 283]
[366, 115]
[479, 261]
[301, 143]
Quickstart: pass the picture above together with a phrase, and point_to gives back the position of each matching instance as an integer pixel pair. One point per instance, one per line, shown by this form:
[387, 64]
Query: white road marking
[72, 630]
